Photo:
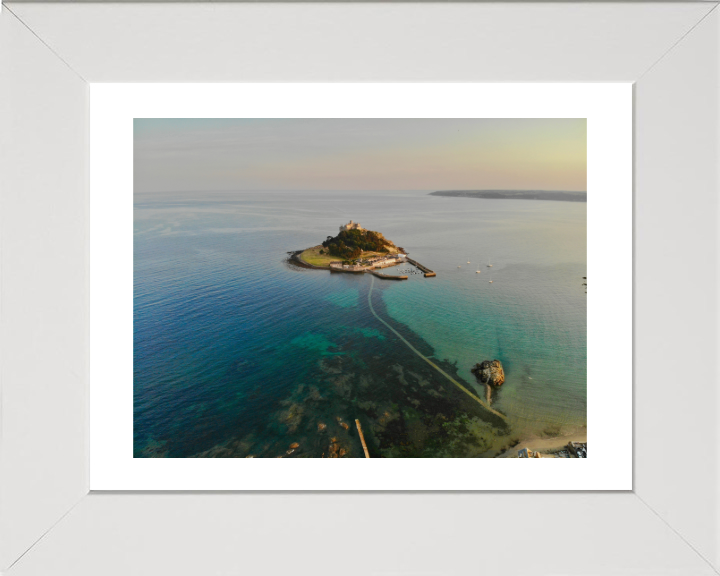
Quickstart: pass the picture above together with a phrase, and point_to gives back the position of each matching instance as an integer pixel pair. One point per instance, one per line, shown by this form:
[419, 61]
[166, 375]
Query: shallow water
[238, 352]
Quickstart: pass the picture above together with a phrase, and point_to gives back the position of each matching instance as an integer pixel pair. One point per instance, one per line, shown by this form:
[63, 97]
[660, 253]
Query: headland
[554, 195]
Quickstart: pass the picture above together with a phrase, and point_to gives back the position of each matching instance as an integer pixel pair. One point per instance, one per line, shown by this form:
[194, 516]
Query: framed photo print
[238, 233]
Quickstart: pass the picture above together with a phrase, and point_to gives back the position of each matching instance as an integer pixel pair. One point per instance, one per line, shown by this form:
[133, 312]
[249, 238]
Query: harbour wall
[428, 273]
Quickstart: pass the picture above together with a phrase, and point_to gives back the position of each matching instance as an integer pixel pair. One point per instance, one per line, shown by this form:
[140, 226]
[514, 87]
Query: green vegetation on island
[315, 257]
[353, 246]
[350, 244]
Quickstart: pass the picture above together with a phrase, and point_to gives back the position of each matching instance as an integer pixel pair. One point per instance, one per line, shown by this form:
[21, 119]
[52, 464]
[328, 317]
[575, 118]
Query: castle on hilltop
[351, 226]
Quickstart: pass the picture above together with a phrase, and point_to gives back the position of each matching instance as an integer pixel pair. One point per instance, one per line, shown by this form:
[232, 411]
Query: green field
[313, 256]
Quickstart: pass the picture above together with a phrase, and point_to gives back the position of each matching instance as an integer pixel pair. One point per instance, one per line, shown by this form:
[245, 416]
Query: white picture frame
[49, 523]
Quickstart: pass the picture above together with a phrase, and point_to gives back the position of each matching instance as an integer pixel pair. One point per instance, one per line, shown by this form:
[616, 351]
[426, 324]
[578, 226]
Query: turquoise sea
[238, 352]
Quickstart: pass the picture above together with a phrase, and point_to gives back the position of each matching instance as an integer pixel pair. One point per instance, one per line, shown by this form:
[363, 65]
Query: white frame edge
[46, 514]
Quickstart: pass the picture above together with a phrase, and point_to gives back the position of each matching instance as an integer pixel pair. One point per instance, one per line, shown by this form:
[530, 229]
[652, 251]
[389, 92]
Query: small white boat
[489, 281]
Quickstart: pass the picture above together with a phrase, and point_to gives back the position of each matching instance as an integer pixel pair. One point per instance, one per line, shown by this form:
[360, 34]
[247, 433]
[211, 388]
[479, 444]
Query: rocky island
[356, 250]
[489, 372]
[354, 245]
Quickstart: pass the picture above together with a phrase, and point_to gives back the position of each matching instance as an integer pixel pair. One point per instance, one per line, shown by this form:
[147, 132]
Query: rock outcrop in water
[489, 372]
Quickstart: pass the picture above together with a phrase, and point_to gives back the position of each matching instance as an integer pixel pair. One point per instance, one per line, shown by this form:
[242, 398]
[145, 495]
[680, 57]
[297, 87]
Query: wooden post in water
[362, 438]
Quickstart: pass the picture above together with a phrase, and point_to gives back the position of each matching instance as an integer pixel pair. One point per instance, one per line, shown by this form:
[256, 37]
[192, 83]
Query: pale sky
[174, 155]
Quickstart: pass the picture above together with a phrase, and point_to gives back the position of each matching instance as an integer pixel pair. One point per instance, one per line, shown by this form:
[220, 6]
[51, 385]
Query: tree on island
[350, 244]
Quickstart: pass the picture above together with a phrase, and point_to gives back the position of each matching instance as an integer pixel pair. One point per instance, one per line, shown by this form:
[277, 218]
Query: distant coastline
[554, 195]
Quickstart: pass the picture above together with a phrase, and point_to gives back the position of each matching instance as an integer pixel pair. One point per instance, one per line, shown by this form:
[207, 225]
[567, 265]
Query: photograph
[360, 288]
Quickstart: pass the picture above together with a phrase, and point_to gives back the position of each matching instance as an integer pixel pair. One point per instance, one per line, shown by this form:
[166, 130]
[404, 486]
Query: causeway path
[455, 382]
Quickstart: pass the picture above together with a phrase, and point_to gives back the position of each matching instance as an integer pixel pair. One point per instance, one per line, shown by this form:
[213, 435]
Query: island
[556, 195]
[489, 372]
[356, 250]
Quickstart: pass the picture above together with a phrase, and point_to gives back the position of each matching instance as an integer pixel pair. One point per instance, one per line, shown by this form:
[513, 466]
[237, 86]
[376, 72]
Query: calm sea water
[237, 352]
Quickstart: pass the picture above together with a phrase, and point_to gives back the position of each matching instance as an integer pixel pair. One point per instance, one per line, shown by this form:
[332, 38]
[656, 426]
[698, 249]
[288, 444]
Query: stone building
[351, 226]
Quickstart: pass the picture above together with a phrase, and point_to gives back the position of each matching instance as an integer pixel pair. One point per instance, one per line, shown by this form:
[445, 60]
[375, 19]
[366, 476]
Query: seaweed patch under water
[407, 409]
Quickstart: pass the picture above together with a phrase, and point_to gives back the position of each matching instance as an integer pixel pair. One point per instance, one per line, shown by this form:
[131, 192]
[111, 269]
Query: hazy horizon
[428, 190]
[345, 155]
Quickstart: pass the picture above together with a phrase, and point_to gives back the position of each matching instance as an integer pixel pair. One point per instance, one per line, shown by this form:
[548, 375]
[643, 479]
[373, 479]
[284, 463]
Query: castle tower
[351, 226]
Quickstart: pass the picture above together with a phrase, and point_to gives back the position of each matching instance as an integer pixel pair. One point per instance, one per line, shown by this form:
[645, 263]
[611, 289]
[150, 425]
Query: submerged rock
[489, 372]
[292, 416]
